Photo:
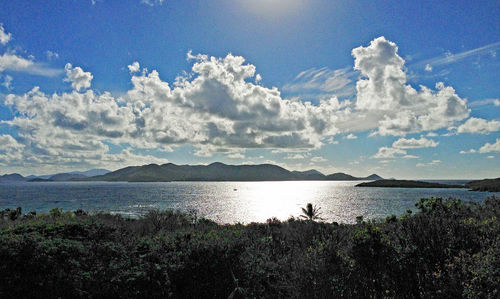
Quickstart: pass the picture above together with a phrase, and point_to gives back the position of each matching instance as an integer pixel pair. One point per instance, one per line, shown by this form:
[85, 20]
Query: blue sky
[405, 89]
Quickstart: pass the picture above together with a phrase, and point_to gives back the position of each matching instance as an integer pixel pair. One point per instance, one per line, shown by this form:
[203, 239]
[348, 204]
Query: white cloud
[7, 82]
[400, 146]
[414, 143]
[214, 109]
[258, 78]
[13, 62]
[134, 67]
[495, 102]
[351, 136]
[490, 157]
[51, 55]
[318, 159]
[449, 57]
[490, 147]
[322, 80]
[10, 150]
[218, 107]
[432, 163]
[331, 140]
[215, 105]
[152, 2]
[297, 156]
[487, 148]
[410, 157]
[471, 151]
[10, 61]
[479, 125]
[398, 108]
[79, 79]
[4, 36]
[236, 155]
[428, 68]
[389, 152]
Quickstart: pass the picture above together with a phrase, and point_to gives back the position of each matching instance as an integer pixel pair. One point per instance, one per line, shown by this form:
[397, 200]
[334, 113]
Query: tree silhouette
[311, 213]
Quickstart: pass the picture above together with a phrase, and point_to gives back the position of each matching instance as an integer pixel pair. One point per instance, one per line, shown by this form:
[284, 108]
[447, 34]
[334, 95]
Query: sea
[228, 202]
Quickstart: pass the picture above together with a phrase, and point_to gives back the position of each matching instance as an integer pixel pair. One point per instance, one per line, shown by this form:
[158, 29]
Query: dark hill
[492, 185]
[66, 177]
[14, 177]
[214, 172]
[312, 174]
[39, 180]
[340, 176]
[92, 172]
[406, 184]
[374, 177]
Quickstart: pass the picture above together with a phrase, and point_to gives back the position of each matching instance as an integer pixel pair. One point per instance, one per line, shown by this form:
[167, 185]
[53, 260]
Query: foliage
[449, 249]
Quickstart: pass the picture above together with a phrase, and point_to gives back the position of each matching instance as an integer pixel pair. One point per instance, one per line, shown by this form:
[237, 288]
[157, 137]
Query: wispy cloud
[495, 102]
[15, 63]
[152, 2]
[324, 80]
[432, 163]
[7, 82]
[10, 61]
[449, 58]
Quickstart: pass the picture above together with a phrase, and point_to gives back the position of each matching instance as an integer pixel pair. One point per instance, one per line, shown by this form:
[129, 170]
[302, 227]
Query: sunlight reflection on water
[225, 202]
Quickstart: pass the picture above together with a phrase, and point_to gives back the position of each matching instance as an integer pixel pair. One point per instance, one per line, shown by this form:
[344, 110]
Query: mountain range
[219, 172]
[66, 176]
[171, 172]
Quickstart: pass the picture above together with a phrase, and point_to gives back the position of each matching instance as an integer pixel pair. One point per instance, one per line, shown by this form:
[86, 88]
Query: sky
[404, 89]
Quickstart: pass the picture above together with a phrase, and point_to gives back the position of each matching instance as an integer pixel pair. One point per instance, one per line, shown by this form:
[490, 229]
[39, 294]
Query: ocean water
[226, 202]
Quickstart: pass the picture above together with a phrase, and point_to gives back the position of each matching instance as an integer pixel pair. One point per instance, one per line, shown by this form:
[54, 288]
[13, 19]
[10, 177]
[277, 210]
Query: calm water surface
[225, 202]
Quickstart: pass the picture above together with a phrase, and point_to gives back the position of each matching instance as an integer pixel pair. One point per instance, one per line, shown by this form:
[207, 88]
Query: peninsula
[406, 184]
[491, 185]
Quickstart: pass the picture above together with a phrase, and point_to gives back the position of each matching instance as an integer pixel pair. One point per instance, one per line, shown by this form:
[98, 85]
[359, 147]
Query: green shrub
[448, 249]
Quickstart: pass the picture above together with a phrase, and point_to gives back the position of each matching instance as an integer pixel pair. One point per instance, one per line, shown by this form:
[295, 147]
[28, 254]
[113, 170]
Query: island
[491, 185]
[220, 172]
[406, 184]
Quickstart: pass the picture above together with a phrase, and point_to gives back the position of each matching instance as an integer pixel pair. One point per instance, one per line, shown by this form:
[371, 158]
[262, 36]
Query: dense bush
[449, 249]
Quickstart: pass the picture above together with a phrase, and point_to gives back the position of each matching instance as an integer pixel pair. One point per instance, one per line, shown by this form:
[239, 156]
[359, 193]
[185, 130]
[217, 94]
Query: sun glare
[272, 8]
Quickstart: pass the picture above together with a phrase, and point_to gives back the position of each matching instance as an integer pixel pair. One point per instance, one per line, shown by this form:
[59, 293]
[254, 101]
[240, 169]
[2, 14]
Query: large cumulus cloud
[220, 106]
[383, 90]
[10, 150]
[216, 108]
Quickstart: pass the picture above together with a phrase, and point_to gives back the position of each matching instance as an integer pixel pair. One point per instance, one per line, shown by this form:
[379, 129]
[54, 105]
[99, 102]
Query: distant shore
[490, 185]
[407, 184]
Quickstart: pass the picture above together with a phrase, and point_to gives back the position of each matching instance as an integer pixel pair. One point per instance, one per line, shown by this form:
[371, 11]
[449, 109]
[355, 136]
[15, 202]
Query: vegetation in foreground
[448, 249]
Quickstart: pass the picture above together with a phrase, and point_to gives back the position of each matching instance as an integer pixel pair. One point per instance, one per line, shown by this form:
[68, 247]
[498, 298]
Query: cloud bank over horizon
[221, 106]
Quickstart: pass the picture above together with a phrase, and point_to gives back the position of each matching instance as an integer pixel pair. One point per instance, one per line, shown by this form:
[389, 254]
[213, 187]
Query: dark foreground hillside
[448, 250]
